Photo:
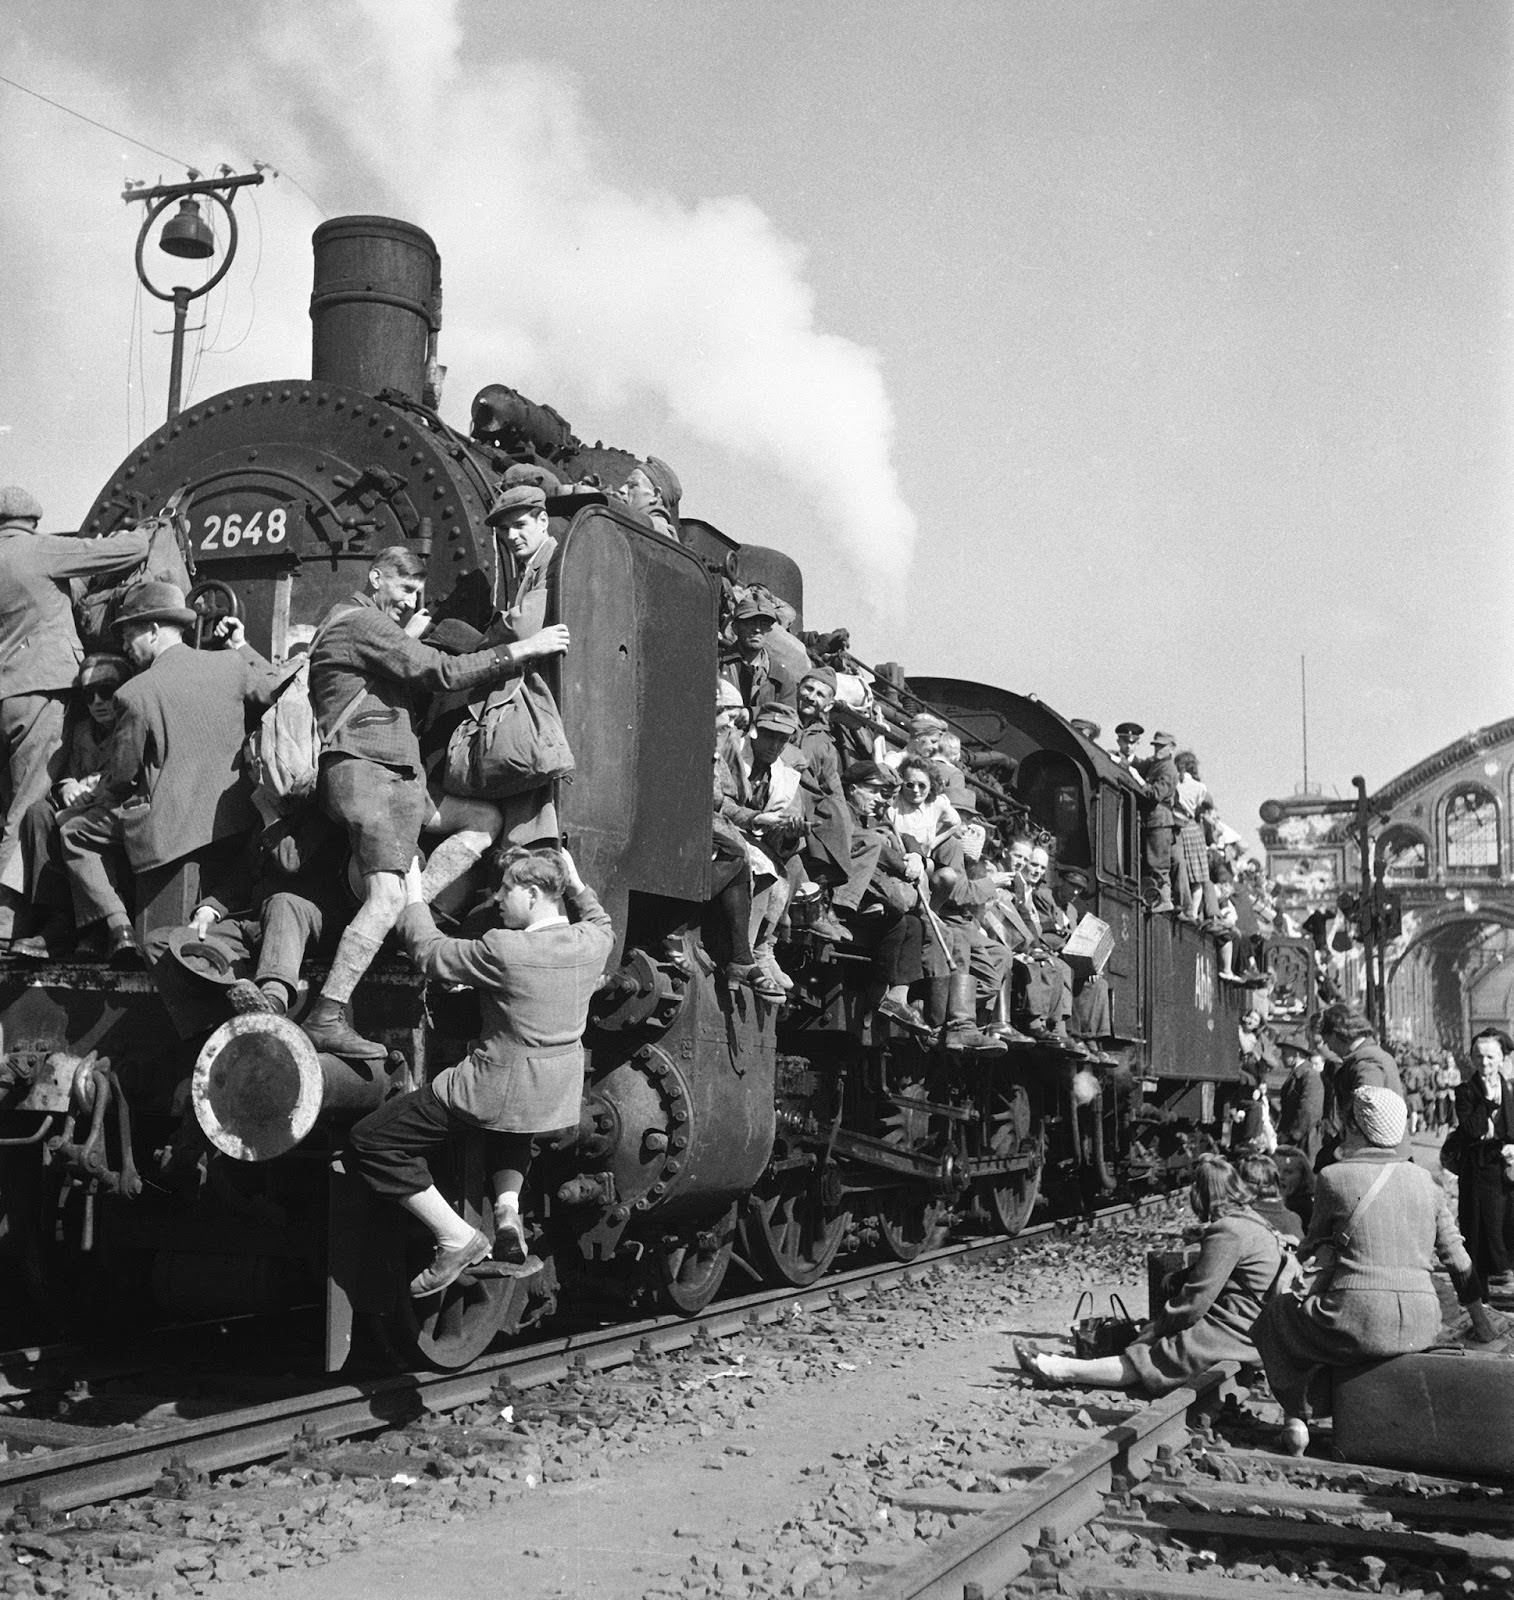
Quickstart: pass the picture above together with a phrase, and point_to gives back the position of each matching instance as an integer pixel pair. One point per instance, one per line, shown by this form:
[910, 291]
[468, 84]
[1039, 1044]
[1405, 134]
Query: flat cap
[533, 472]
[18, 505]
[509, 503]
[775, 717]
[871, 773]
[822, 674]
[1128, 730]
[924, 722]
[754, 606]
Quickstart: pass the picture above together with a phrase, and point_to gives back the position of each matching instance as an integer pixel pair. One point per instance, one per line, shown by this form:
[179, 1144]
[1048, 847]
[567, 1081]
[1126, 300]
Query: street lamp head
[188, 234]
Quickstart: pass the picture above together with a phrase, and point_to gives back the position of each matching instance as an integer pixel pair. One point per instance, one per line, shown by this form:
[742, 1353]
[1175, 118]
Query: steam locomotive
[145, 1175]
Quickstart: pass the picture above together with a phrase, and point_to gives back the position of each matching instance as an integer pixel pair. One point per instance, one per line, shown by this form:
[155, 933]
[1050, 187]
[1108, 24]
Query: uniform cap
[1381, 1115]
[924, 722]
[664, 480]
[544, 478]
[1128, 730]
[18, 505]
[157, 600]
[509, 503]
[103, 669]
[775, 717]
[754, 606]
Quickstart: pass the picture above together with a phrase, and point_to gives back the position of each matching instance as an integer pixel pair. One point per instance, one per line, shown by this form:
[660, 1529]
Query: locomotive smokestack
[375, 305]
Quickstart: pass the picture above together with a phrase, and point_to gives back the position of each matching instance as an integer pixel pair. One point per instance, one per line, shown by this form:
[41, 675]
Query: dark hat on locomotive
[18, 505]
[1128, 730]
[872, 773]
[519, 497]
[532, 472]
[755, 606]
[156, 600]
[775, 717]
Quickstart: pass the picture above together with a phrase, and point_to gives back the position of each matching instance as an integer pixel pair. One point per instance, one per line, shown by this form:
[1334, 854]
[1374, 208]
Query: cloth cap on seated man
[1381, 1115]
[532, 474]
[509, 503]
[156, 600]
[754, 605]
[822, 674]
[871, 775]
[664, 480]
[775, 717]
[103, 668]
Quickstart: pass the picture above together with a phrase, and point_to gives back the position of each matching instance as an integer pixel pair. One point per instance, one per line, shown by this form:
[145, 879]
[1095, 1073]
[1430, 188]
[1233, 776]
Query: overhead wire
[104, 127]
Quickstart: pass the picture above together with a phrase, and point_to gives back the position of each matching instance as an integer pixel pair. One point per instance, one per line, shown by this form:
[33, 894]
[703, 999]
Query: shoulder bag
[508, 743]
[1093, 1337]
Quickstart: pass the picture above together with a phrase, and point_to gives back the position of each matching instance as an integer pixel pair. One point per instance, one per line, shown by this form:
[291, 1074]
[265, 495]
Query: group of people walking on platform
[1357, 1285]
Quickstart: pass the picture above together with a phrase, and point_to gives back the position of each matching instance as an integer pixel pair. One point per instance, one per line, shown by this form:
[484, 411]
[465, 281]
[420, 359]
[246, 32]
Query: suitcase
[1446, 1410]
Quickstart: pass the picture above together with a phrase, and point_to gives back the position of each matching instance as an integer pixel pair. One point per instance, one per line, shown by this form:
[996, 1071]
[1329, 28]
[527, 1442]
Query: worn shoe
[903, 1016]
[509, 1238]
[968, 1036]
[448, 1266]
[328, 1029]
[247, 997]
[769, 964]
[1027, 1359]
[825, 926]
[121, 949]
[1002, 1030]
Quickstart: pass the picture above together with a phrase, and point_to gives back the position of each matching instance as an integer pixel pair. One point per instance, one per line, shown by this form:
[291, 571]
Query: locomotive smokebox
[376, 305]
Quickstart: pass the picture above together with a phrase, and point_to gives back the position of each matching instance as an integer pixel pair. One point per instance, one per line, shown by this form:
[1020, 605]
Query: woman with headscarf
[1208, 1316]
[1384, 1221]
[653, 491]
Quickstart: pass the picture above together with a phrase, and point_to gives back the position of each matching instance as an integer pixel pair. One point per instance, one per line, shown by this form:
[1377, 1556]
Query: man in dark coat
[172, 781]
[1159, 820]
[39, 660]
[1363, 1063]
[369, 681]
[1303, 1100]
[828, 847]
[750, 665]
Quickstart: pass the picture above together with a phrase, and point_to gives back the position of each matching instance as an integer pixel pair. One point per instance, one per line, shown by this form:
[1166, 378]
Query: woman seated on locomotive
[653, 492]
[1385, 1221]
[1209, 1315]
[1482, 1146]
[880, 901]
[922, 813]
[44, 884]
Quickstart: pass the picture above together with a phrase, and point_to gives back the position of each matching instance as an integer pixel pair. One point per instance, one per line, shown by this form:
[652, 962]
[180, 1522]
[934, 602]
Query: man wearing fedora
[370, 678]
[172, 782]
[39, 661]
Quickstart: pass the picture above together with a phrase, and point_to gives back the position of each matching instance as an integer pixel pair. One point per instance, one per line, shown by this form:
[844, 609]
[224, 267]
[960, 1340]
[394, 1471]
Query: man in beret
[40, 654]
[370, 678]
[653, 491]
[172, 781]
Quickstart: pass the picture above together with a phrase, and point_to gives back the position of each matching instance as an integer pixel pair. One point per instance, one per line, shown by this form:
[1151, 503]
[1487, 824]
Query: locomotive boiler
[157, 1175]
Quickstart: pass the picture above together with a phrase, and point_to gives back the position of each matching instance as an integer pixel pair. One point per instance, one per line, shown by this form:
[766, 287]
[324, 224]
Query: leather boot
[962, 1031]
[328, 1028]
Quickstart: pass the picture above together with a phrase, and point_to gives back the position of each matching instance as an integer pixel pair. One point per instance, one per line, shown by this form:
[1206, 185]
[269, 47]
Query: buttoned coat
[1303, 1110]
[174, 765]
[39, 643]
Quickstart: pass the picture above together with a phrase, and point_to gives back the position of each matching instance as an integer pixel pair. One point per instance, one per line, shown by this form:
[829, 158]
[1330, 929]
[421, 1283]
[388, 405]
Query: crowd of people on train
[1320, 1233]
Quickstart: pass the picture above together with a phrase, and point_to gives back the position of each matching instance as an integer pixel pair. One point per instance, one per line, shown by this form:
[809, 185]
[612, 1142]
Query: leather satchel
[508, 743]
[1094, 1337]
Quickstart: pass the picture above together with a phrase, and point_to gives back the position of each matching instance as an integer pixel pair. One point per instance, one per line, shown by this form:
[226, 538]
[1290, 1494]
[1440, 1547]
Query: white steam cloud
[578, 292]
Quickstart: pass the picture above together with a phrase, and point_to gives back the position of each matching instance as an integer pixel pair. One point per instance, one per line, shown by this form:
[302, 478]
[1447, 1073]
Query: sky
[1124, 352]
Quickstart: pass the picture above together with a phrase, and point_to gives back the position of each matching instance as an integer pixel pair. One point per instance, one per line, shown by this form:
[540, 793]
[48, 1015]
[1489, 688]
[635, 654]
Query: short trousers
[382, 809]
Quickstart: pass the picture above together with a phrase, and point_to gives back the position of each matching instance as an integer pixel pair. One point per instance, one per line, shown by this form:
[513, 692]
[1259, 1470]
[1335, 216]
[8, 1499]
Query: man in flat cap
[369, 681]
[1159, 819]
[519, 514]
[172, 781]
[828, 850]
[653, 491]
[39, 660]
[749, 665]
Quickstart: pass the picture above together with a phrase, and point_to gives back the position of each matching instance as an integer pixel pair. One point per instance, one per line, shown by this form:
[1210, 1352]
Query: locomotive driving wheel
[911, 1219]
[449, 1330]
[1010, 1197]
[689, 1267]
[792, 1230]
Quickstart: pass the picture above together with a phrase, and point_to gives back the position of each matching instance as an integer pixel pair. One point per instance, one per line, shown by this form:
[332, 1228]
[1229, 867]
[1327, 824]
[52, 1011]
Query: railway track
[83, 1468]
[1135, 1510]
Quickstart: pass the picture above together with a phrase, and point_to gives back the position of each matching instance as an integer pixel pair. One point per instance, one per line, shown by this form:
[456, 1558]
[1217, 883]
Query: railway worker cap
[1381, 1115]
[1128, 730]
[870, 775]
[156, 600]
[755, 606]
[18, 507]
[512, 502]
[531, 472]
[775, 717]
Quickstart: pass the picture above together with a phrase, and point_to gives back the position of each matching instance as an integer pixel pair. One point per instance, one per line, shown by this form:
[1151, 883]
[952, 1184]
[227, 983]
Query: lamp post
[187, 235]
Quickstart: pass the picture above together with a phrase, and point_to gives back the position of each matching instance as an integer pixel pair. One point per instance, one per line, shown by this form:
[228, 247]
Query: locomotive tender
[142, 1174]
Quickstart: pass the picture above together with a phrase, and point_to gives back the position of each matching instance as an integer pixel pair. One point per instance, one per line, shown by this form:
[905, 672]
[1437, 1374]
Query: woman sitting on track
[1208, 1319]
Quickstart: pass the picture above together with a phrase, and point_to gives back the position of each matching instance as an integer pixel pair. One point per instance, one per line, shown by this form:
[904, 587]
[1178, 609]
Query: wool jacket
[39, 644]
[174, 765]
[362, 653]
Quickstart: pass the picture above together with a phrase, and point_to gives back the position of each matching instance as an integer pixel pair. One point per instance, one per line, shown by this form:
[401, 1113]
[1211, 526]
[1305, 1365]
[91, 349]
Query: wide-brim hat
[211, 959]
[155, 600]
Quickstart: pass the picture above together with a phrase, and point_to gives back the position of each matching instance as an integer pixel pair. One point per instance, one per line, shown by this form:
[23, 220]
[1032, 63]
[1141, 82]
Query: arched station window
[1471, 831]
[1403, 854]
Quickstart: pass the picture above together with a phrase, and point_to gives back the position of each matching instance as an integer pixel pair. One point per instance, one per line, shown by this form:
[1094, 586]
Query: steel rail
[86, 1474]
